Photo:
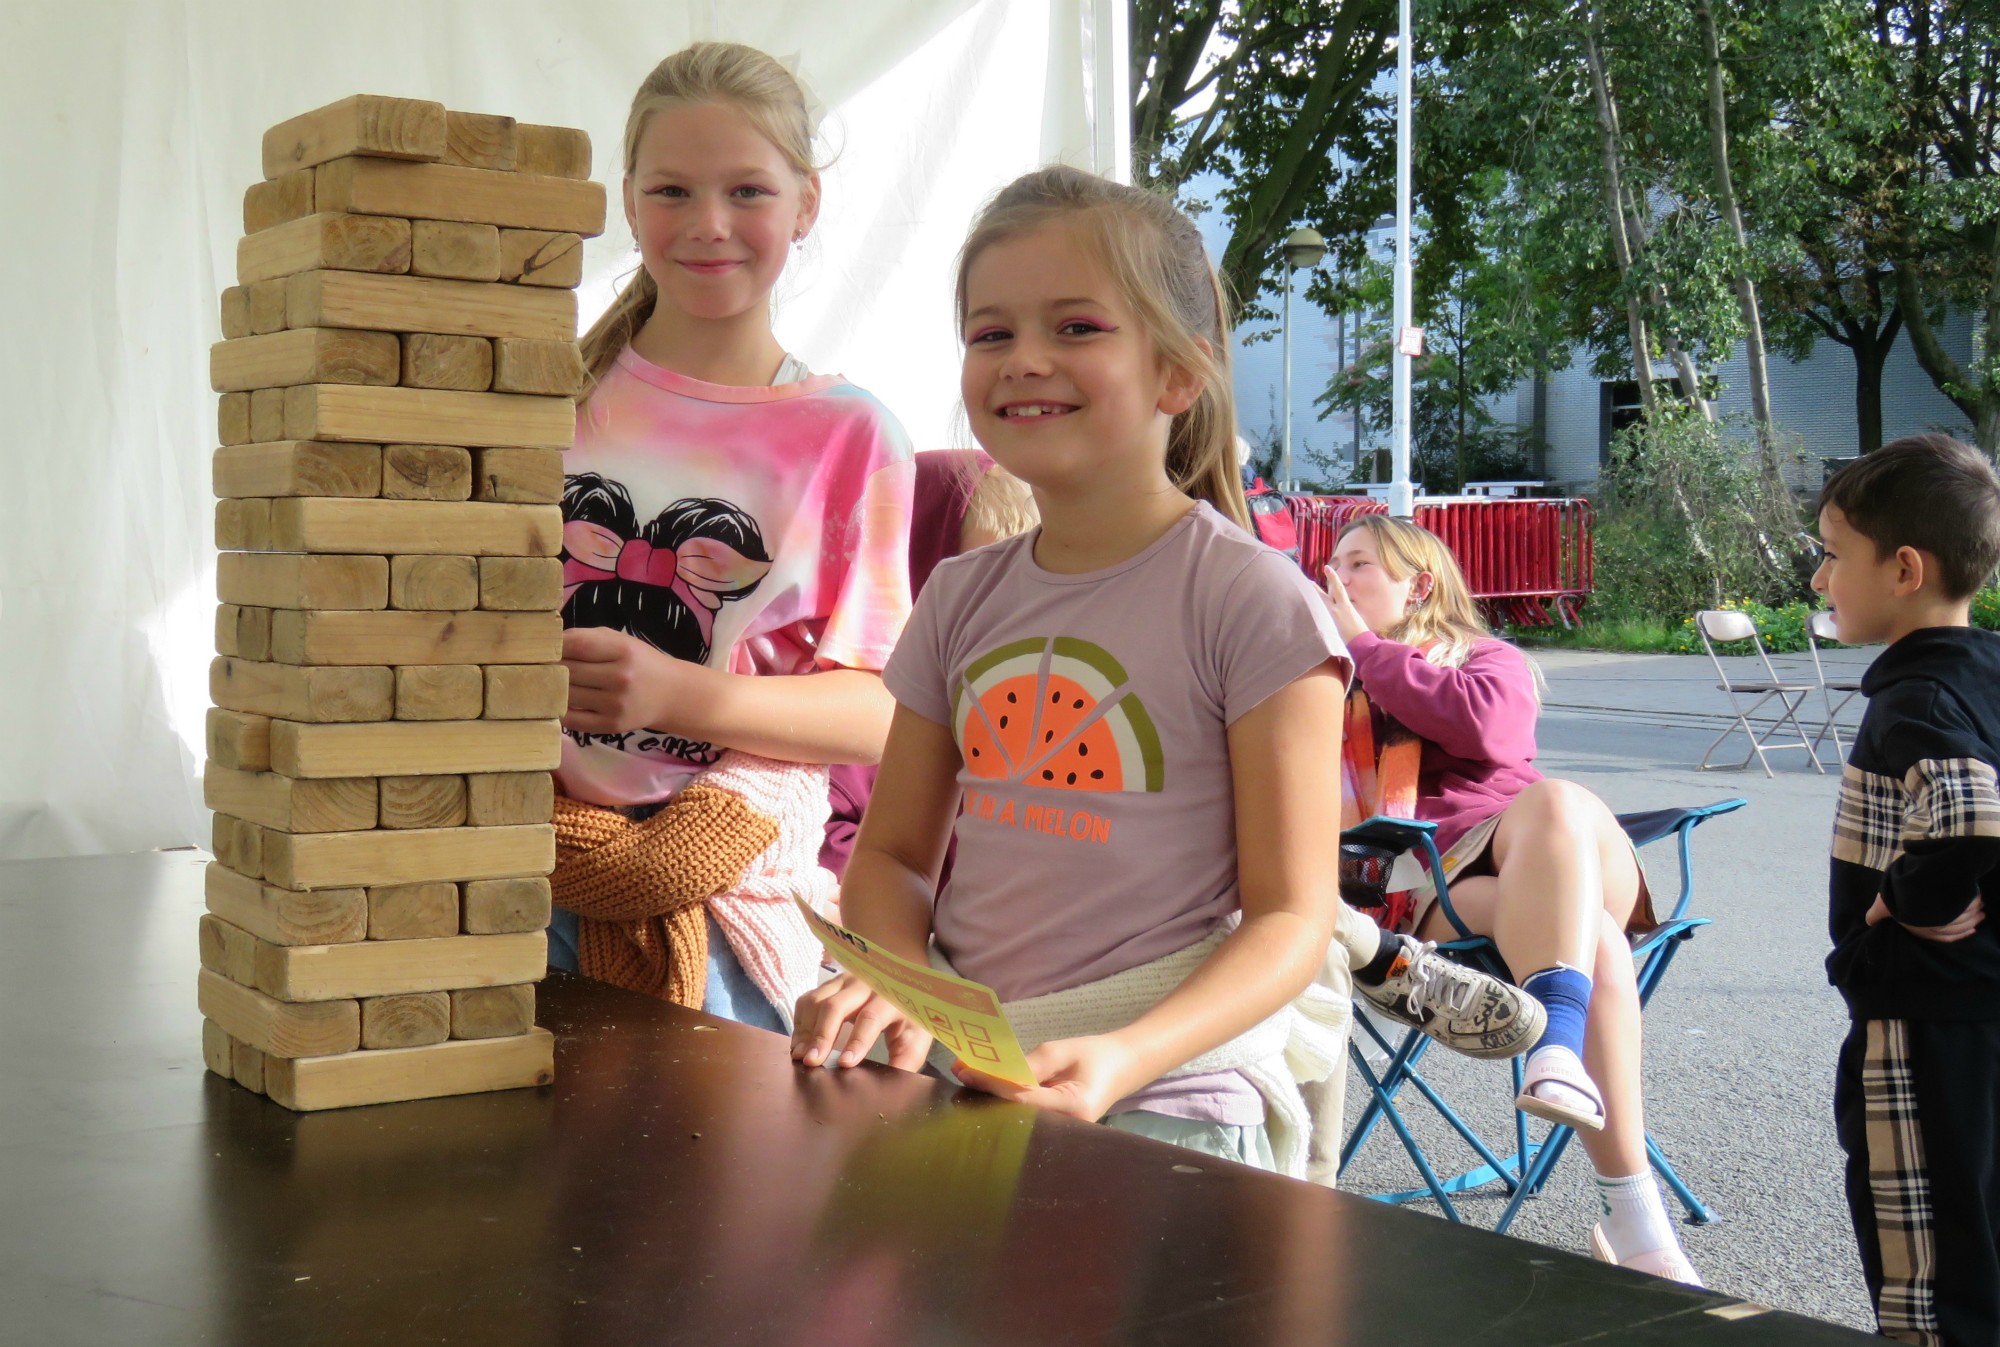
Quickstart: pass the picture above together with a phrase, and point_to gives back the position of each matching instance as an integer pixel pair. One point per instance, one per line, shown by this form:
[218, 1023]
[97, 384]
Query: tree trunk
[1614, 210]
[1746, 289]
[1972, 394]
[1683, 363]
[1868, 397]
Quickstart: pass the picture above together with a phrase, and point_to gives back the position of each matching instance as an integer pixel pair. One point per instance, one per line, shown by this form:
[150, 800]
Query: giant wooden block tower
[398, 376]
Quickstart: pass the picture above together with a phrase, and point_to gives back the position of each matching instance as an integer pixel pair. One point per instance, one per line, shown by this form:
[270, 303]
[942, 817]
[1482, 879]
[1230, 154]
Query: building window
[1619, 405]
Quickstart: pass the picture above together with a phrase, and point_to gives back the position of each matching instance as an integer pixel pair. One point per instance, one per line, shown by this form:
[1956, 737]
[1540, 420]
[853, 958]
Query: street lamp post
[1402, 502]
[1302, 248]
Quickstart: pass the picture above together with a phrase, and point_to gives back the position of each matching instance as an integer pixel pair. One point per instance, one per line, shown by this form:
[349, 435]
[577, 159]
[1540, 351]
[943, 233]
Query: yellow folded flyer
[962, 1015]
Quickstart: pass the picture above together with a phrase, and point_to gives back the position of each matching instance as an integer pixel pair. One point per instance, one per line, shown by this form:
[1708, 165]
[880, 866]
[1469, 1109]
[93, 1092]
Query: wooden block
[440, 692]
[242, 523]
[425, 304]
[307, 973]
[526, 691]
[243, 632]
[408, 748]
[292, 692]
[253, 632]
[332, 804]
[501, 906]
[509, 797]
[227, 616]
[276, 200]
[232, 418]
[434, 584]
[556, 151]
[238, 741]
[491, 1012]
[462, 528]
[426, 416]
[303, 356]
[228, 949]
[435, 360]
[267, 416]
[521, 476]
[452, 249]
[412, 911]
[215, 1049]
[302, 580]
[411, 1021]
[548, 367]
[423, 801]
[297, 468]
[279, 1028]
[209, 943]
[237, 843]
[393, 637]
[246, 1066]
[520, 200]
[332, 241]
[521, 584]
[282, 917]
[538, 257]
[268, 301]
[382, 1076]
[426, 472]
[412, 856]
[396, 128]
[479, 140]
[235, 312]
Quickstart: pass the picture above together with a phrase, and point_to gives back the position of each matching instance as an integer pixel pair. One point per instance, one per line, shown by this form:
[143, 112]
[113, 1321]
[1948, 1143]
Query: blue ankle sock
[1565, 993]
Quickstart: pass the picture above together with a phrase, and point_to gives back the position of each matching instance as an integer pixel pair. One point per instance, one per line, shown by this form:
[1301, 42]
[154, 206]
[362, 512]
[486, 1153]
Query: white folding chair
[1715, 624]
[1820, 627]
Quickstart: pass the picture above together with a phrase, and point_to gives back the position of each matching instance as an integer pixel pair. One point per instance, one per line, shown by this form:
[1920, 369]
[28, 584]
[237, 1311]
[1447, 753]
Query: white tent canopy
[135, 125]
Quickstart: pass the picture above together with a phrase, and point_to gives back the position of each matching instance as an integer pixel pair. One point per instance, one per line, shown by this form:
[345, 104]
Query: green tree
[1486, 327]
[1944, 142]
[1279, 98]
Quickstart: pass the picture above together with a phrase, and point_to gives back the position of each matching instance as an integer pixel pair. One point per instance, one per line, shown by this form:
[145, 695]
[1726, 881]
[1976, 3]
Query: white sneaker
[1466, 1010]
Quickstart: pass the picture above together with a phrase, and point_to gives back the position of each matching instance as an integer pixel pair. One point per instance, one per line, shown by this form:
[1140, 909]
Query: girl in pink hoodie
[1539, 865]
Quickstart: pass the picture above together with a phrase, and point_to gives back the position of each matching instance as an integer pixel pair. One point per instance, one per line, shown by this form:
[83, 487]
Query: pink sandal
[1671, 1263]
[1560, 1067]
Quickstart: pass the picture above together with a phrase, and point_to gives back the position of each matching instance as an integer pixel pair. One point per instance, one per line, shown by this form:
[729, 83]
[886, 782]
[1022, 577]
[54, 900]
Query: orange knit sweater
[640, 888]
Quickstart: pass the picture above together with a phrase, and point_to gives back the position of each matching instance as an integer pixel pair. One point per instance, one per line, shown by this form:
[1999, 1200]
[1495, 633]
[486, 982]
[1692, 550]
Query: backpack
[1275, 525]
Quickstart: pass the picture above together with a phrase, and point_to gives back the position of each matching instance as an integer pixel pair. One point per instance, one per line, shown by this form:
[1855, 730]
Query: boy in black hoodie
[1911, 532]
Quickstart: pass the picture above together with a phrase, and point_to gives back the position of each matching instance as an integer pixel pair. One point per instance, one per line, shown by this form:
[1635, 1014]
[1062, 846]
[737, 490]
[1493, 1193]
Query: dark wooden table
[681, 1182]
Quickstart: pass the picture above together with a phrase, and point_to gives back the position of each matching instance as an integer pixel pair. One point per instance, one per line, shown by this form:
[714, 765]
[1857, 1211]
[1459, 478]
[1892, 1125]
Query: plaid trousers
[1917, 1105]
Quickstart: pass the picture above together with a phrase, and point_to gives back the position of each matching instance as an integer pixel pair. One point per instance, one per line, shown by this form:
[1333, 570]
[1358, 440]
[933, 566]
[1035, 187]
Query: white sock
[1635, 1217]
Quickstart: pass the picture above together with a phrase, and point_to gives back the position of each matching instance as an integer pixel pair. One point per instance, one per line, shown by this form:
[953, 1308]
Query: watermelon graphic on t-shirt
[1059, 713]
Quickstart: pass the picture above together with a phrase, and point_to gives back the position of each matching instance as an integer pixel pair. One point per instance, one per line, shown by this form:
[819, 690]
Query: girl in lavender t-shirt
[1129, 717]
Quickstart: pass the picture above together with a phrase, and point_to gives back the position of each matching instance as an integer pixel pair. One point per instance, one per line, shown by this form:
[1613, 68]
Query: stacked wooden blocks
[398, 379]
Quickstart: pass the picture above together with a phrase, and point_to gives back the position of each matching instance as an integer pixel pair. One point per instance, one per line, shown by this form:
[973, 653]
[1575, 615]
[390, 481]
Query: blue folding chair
[1522, 1174]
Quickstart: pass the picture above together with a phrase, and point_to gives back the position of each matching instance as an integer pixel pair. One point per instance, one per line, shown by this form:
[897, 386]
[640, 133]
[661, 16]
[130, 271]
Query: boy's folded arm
[1951, 823]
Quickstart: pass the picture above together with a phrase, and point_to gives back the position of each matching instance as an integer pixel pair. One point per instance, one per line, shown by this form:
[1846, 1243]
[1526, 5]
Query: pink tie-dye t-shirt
[760, 530]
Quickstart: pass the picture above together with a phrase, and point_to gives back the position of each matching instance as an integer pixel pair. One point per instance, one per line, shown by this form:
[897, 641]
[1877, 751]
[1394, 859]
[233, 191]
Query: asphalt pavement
[1741, 1038]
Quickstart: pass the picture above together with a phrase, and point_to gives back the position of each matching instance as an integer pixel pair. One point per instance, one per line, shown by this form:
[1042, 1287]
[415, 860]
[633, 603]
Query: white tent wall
[135, 125]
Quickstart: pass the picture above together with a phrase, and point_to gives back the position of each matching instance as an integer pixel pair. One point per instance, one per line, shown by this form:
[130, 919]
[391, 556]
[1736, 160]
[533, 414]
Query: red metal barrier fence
[1529, 562]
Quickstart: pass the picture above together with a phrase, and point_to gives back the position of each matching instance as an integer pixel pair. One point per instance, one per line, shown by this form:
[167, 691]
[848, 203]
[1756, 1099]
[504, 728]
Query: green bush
[1686, 518]
[1783, 629]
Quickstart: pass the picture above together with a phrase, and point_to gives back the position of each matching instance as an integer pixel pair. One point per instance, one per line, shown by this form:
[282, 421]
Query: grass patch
[1628, 635]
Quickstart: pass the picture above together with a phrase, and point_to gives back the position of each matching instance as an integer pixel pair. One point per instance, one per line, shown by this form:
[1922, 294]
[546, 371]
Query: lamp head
[1304, 248]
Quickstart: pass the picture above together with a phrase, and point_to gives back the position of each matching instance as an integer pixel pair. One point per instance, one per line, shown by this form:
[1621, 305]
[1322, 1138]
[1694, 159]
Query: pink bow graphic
[701, 570]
